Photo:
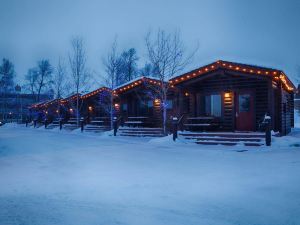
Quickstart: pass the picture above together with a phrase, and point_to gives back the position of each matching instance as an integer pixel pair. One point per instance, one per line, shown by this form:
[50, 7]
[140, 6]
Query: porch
[225, 102]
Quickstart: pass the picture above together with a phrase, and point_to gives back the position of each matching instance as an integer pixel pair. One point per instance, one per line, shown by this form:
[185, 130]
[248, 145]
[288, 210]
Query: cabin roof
[38, 104]
[136, 82]
[237, 67]
[92, 93]
[45, 103]
[70, 97]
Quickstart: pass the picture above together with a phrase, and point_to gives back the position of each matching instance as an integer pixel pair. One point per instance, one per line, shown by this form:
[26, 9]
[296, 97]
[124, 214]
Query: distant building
[14, 106]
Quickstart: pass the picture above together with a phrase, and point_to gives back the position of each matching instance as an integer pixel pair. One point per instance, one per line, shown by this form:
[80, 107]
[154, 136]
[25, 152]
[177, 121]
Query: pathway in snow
[53, 178]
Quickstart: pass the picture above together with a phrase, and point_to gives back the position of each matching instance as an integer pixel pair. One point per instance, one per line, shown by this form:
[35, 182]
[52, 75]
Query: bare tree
[7, 74]
[79, 73]
[128, 65]
[31, 80]
[166, 52]
[60, 81]
[43, 76]
[111, 64]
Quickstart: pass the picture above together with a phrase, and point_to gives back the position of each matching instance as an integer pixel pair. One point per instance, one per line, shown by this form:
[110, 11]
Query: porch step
[228, 143]
[140, 132]
[68, 126]
[223, 134]
[96, 128]
[71, 124]
[54, 124]
[225, 138]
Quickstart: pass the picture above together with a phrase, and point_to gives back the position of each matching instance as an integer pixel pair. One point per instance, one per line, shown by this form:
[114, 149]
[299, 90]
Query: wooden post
[115, 125]
[46, 123]
[60, 123]
[82, 123]
[34, 123]
[268, 130]
[175, 128]
[26, 122]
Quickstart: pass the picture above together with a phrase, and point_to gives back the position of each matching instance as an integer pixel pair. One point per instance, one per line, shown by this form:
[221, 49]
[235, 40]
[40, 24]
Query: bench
[136, 121]
[202, 123]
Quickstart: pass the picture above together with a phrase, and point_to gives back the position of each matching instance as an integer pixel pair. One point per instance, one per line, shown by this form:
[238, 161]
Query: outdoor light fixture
[116, 105]
[186, 94]
[90, 108]
[56, 111]
[71, 110]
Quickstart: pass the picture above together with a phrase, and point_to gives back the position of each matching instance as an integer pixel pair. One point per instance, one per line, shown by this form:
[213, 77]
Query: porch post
[115, 125]
[175, 128]
[271, 101]
[268, 130]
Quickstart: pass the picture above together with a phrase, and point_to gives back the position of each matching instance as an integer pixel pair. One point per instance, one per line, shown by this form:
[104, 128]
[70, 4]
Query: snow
[53, 177]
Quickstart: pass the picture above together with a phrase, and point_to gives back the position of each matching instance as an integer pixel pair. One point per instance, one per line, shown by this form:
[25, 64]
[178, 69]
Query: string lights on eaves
[275, 74]
[95, 92]
[136, 83]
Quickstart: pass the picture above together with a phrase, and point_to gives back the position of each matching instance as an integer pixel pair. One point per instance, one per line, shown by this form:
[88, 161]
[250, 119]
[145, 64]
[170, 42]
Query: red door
[244, 111]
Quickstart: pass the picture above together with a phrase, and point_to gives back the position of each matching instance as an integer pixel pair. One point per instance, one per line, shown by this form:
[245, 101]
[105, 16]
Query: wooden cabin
[52, 110]
[138, 104]
[68, 106]
[227, 96]
[37, 111]
[96, 108]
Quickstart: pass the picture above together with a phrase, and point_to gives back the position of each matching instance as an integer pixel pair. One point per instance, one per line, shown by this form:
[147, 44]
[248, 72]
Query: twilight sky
[261, 32]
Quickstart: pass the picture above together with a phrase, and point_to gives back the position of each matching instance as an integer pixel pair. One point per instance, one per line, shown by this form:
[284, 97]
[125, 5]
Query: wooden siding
[224, 81]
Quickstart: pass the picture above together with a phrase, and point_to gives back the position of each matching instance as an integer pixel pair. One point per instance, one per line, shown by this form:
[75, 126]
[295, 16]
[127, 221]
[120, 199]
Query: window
[213, 105]
[169, 104]
[124, 107]
[150, 103]
[244, 103]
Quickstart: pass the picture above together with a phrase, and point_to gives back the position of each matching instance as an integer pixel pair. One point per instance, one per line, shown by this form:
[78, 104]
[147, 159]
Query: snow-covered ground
[48, 177]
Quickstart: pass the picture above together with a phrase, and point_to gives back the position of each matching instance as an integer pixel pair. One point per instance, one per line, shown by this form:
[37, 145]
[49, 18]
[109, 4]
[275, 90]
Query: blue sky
[265, 33]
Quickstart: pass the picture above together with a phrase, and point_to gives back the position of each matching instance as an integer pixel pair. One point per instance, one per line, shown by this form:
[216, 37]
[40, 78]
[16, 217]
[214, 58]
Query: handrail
[181, 118]
[180, 121]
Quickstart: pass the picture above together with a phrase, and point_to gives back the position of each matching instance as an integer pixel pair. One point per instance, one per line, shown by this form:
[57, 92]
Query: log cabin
[138, 103]
[228, 96]
[68, 106]
[96, 109]
[37, 111]
[221, 96]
